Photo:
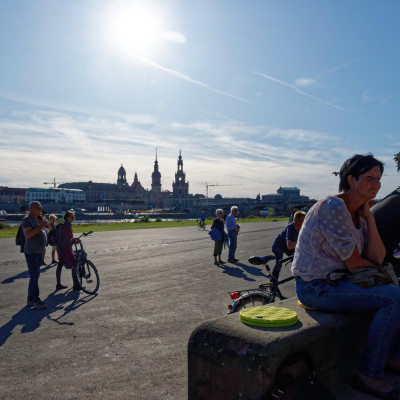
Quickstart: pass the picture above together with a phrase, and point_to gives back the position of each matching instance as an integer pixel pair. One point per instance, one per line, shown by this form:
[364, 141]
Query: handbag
[366, 277]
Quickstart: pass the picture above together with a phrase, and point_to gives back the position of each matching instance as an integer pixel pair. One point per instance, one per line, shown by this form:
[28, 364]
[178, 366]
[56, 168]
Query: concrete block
[231, 360]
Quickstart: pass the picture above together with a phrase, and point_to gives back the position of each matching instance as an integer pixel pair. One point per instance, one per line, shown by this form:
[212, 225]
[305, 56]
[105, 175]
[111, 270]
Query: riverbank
[7, 231]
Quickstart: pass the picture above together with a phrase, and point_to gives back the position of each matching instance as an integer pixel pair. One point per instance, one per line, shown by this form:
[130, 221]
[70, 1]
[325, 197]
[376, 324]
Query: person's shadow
[25, 274]
[235, 272]
[30, 319]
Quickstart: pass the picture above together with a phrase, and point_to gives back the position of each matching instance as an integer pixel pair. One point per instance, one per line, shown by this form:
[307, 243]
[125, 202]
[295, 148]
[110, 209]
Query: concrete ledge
[230, 360]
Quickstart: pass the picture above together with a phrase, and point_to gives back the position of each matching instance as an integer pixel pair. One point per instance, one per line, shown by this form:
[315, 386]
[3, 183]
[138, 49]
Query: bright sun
[135, 28]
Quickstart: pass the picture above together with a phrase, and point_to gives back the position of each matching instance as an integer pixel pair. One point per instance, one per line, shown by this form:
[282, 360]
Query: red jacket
[64, 250]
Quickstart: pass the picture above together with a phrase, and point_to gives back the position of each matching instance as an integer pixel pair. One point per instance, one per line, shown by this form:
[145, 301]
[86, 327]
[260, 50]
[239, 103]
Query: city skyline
[256, 95]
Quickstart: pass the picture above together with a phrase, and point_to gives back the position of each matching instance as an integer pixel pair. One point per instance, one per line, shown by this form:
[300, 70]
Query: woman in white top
[340, 232]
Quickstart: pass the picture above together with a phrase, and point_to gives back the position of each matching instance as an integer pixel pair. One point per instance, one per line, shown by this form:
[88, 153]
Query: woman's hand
[365, 212]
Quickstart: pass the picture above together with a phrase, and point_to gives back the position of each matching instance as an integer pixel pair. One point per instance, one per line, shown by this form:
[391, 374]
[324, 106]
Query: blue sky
[256, 94]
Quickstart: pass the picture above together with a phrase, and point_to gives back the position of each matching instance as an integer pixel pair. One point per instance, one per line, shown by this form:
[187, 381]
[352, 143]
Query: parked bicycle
[265, 293]
[202, 226]
[85, 272]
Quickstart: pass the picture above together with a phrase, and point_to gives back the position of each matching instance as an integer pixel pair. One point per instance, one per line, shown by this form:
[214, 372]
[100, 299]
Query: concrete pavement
[129, 341]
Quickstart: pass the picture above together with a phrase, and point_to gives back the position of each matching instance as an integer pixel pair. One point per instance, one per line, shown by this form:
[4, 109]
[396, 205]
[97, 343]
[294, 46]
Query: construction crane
[54, 183]
[216, 184]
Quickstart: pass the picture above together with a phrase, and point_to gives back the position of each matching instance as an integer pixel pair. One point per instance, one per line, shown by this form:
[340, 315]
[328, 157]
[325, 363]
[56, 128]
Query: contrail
[188, 78]
[294, 87]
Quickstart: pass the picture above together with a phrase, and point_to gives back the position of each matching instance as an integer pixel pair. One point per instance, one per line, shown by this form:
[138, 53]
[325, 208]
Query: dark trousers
[232, 244]
[34, 261]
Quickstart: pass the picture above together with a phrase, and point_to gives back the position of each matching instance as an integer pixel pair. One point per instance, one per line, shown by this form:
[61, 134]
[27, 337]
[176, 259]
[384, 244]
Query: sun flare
[135, 29]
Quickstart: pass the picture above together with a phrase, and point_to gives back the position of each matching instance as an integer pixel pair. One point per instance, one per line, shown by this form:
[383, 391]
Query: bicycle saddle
[260, 260]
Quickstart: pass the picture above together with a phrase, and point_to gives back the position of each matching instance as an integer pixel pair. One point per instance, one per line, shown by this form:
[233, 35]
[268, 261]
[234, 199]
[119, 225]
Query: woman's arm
[356, 261]
[374, 250]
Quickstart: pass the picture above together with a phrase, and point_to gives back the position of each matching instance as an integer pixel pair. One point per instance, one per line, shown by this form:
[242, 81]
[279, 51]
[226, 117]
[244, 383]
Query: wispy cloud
[304, 82]
[296, 89]
[187, 78]
[80, 147]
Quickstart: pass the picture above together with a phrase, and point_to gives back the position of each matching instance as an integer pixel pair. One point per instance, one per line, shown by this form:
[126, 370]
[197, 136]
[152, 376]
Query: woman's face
[220, 216]
[71, 218]
[368, 184]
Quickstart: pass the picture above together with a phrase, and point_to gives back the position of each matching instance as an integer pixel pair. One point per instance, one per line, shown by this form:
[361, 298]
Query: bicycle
[265, 293]
[201, 225]
[85, 273]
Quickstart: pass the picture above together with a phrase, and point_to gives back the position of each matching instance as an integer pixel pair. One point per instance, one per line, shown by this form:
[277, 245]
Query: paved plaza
[129, 341]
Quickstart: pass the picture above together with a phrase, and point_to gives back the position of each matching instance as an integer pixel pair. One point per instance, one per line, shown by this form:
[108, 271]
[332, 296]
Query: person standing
[219, 244]
[52, 225]
[233, 230]
[35, 244]
[66, 255]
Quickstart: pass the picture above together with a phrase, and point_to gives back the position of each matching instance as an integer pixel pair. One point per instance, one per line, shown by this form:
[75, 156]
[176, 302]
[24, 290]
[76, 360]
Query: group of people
[36, 230]
[233, 230]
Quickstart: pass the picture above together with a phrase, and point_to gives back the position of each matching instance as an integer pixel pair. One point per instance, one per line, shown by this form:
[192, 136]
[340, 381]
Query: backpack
[20, 239]
[54, 236]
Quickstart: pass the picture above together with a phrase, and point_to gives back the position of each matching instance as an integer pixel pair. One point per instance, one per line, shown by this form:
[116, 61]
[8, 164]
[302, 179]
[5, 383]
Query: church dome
[121, 170]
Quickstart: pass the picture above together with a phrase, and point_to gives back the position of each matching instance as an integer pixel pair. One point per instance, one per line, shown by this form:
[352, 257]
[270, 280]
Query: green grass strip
[7, 231]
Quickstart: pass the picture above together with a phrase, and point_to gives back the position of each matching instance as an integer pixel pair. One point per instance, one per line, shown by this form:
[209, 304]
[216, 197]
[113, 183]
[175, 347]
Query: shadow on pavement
[235, 271]
[30, 319]
[25, 274]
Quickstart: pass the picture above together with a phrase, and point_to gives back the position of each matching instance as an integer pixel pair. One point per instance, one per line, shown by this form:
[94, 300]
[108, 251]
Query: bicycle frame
[80, 253]
[265, 293]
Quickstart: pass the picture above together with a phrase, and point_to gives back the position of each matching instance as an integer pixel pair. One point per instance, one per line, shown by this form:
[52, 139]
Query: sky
[255, 94]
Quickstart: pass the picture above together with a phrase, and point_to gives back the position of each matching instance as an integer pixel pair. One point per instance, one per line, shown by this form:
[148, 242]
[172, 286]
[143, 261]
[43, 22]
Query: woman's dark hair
[68, 214]
[356, 166]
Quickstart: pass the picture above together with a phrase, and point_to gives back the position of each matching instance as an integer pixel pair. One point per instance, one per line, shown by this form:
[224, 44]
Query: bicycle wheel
[256, 299]
[199, 227]
[87, 277]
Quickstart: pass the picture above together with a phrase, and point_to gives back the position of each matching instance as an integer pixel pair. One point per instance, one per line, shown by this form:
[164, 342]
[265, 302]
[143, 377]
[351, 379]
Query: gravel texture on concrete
[130, 340]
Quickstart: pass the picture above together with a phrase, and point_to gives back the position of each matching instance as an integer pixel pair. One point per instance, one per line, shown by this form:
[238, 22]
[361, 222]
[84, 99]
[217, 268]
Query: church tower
[121, 181]
[180, 188]
[156, 179]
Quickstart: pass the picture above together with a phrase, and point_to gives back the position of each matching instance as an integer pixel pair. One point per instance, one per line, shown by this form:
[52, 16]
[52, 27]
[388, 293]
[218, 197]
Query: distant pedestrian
[233, 230]
[42, 217]
[52, 225]
[219, 244]
[294, 211]
[202, 219]
[35, 244]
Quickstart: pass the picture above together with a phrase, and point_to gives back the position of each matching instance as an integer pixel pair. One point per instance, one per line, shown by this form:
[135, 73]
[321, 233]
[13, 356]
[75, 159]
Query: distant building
[108, 192]
[55, 195]
[12, 195]
[285, 195]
